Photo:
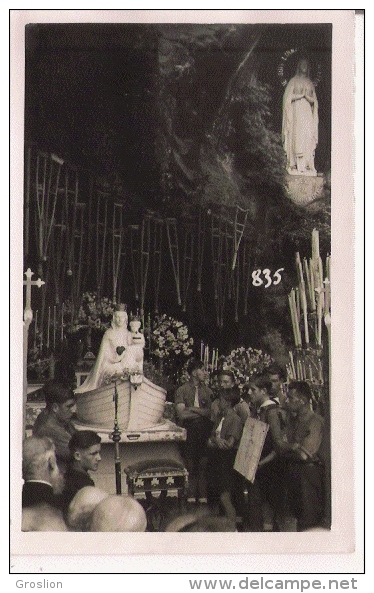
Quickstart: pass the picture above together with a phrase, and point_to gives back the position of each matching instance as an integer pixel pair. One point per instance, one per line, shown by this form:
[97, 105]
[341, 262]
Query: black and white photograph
[183, 207]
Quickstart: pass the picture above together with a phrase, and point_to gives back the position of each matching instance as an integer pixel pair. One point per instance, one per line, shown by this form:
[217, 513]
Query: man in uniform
[227, 383]
[192, 405]
[305, 471]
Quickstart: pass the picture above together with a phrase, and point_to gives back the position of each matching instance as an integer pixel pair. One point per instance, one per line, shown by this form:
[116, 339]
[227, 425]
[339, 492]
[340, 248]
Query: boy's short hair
[274, 369]
[262, 382]
[231, 395]
[57, 393]
[302, 389]
[193, 365]
[83, 439]
[227, 373]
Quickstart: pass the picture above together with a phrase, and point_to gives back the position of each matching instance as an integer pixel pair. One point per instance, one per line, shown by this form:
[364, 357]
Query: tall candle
[320, 272]
[292, 319]
[305, 311]
[319, 317]
[201, 350]
[54, 326]
[328, 260]
[48, 325]
[299, 371]
[297, 299]
[292, 364]
[36, 328]
[315, 244]
[62, 321]
[327, 296]
[307, 276]
[297, 327]
[312, 285]
[299, 268]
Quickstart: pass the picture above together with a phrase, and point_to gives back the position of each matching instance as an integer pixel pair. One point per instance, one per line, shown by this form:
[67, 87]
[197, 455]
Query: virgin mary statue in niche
[300, 122]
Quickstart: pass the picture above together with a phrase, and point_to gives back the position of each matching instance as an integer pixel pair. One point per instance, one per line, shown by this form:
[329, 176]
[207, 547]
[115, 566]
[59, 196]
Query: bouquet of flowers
[171, 345]
[245, 363]
[169, 337]
[94, 312]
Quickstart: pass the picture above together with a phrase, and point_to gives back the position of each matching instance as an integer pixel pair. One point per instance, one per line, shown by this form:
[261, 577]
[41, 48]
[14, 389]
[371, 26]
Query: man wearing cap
[192, 405]
[85, 448]
[55, 420]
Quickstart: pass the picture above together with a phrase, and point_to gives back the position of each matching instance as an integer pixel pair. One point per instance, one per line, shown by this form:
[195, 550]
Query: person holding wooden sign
[266, 493]
[222, 448]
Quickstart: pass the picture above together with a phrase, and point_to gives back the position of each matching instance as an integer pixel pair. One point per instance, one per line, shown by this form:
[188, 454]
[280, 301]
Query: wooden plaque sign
[250, 448]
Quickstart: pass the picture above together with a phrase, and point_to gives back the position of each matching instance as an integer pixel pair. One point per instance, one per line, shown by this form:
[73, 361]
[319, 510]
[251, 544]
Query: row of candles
[55, 328]
[210, 359]
[304, 366]
[312, 295]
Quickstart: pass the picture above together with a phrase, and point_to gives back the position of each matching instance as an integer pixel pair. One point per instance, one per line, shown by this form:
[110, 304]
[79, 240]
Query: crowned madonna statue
[121, 351]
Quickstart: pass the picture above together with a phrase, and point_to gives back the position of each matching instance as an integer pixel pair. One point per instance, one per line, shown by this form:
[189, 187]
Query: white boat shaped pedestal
[138, 408]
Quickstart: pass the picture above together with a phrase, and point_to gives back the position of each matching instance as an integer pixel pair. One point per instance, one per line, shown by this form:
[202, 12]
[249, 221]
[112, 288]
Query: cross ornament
[27, 314]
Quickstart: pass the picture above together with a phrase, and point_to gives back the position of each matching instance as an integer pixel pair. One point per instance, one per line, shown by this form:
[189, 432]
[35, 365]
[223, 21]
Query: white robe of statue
[300, 123]
[120, 350]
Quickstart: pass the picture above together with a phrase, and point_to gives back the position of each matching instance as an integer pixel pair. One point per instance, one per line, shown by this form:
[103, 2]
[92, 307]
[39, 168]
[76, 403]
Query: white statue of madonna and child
[118, 370]
[121, 352]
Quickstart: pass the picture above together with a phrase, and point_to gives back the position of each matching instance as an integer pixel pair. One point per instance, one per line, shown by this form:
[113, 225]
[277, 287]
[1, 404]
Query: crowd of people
[59, 492]
[289, 481]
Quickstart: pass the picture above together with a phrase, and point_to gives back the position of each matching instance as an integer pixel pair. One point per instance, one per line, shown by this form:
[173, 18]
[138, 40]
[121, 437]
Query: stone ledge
[302, 189]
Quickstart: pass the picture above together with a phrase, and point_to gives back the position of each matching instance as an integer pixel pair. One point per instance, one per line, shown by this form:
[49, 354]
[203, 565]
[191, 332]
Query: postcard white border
[320, 551]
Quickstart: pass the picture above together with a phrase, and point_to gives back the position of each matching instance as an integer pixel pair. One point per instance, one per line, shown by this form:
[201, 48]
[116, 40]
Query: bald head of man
[82, 506]
[119, 513]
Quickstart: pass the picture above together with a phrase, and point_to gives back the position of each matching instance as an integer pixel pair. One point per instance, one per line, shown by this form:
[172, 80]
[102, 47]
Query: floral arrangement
[171, 345]
[245, 363]
[93, 312]
[170, 337]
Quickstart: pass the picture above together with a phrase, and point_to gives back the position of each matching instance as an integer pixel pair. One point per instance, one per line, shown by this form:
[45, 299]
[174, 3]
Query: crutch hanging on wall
[89, 263]
[246, 274]
[145, 246]
[117, 244]
[59, 250]
[134, 255]
[216, 239]
[79, 240]
[224, 273]
[26, 244]
[171, 229]
[200, 246]
[188, 255]
[158, 226]
[241, 217]
[47, 174]
[71, 199]
[235, 276]
[101, 233]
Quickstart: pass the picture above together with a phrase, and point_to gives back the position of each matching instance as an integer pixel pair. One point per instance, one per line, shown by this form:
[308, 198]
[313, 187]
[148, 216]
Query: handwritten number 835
[258, 281]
